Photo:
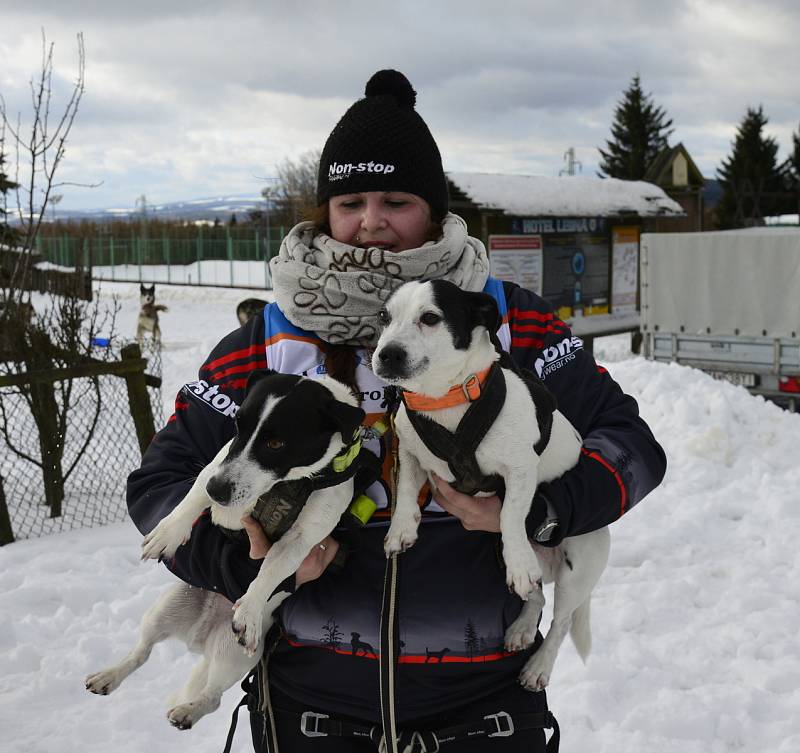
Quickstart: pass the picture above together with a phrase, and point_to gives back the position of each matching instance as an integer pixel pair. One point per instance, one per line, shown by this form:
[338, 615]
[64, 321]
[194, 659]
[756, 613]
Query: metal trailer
[727, 303]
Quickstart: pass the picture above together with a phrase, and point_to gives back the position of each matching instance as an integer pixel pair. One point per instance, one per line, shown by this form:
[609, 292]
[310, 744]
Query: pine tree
[752, 181]
[791, 178]
[640, 132]
[7, 233]
[792, 165]
[470, 639]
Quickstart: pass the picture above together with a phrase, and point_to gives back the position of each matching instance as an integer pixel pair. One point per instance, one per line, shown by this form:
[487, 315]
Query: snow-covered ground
[247, 274]
[695, 621]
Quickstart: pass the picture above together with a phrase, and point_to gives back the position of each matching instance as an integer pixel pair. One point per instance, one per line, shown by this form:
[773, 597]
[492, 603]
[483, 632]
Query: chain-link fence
[223, 256]
[100, 449]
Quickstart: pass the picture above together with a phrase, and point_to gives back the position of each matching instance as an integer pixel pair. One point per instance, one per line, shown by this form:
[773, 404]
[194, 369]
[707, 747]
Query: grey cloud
[509, 88]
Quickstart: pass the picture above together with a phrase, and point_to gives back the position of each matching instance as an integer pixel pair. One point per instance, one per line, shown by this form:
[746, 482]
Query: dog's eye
[275, 444]
[384, 317]
[429, 319]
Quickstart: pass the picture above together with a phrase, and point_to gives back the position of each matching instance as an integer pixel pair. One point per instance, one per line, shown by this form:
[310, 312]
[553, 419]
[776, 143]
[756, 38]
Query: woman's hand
[310, 568]
[475, 513]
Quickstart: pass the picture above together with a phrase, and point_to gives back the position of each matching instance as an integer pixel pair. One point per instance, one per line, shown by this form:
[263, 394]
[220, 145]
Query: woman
[383, 219]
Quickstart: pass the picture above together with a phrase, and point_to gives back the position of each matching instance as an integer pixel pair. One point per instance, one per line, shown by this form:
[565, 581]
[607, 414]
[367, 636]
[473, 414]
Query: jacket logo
[554, 357]
[219, 401]
[338, 171]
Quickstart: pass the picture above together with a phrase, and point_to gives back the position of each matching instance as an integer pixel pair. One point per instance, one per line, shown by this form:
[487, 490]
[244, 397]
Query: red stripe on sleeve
[235, 356]
[623, 493]
[246, 367]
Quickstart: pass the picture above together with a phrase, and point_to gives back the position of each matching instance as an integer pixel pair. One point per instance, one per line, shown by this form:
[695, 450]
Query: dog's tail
[581, 630]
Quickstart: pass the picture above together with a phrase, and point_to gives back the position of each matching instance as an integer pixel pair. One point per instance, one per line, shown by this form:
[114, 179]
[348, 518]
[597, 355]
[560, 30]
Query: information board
[517, 258]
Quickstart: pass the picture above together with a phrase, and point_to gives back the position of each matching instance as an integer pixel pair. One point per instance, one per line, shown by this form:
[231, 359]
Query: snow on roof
[783, 219]
[568, 196]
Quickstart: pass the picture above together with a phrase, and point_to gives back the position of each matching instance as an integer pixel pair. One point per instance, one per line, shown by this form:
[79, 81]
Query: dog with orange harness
[470, 418]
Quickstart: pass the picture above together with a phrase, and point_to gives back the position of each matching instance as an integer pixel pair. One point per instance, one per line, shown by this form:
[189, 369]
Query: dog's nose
[392, 359]
[219, 490]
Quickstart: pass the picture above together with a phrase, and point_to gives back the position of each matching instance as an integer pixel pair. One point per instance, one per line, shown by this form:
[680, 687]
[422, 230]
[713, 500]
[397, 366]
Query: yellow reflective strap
[342, 462]
[380, 427]
[362, 507]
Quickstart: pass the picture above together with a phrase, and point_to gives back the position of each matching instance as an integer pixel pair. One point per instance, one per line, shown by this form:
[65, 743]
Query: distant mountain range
[221, 207]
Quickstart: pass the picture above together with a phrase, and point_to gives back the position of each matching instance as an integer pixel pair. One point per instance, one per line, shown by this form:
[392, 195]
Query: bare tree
[332, 637]
[37, 350]
[39, 149]
[296, 191]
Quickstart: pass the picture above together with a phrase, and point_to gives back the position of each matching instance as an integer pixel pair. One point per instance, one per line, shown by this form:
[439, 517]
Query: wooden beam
[96, 368]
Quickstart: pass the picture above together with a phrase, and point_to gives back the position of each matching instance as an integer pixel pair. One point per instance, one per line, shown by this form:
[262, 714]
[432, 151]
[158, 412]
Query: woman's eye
[429, 319]
[275, 444]
[396, 204]
[384, 317]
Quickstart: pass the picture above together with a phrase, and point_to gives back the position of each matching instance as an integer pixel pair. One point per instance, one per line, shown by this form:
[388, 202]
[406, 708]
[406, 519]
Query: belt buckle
[471, 382]
[506, 729]
[304, 724]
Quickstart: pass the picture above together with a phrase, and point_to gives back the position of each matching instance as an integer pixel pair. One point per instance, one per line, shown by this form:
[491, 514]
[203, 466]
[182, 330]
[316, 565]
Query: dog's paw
[165, 538]
[247, 623]
[535, 674]
[522, 570]
[521, 580]
[399, 540]
[520, 634]
[184, 716]
[402, 535]
[104, 682]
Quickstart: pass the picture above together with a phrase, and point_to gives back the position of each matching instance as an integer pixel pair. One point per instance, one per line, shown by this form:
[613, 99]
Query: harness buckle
[306, 717]
[471, 387]
[504, 729]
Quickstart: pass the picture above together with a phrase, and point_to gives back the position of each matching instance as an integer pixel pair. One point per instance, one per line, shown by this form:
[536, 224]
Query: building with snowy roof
[574, 240]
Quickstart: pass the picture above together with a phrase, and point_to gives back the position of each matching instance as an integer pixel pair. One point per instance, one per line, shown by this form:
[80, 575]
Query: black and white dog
[288, 428]
[435, 343]
[148, 314]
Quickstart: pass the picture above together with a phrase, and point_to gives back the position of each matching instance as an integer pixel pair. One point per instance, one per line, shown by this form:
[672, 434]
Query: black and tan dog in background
[148, 314]
[248, 308]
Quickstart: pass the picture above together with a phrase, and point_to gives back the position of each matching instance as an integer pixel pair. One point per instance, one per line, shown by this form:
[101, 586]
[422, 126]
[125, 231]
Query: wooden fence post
[44, 409]
[6, 534]
[138, 399]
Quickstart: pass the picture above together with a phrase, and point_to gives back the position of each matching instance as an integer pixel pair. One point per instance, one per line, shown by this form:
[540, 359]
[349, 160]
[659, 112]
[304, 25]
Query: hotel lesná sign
[556, 225]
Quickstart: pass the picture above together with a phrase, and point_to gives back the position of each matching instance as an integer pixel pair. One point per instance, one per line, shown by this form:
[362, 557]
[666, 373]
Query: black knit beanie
[382, 144]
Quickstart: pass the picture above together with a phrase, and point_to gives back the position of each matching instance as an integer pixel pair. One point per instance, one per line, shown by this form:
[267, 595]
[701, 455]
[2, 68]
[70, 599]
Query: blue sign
[578, 263]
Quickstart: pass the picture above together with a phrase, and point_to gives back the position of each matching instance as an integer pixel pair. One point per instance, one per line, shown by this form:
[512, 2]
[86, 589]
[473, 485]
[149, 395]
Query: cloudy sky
[190, 98]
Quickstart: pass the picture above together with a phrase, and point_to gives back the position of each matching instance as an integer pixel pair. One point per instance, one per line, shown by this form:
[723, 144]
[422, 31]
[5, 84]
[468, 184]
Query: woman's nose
[373, 218]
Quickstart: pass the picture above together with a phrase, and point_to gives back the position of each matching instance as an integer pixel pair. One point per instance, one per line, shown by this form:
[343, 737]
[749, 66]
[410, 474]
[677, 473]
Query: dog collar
[466, 392]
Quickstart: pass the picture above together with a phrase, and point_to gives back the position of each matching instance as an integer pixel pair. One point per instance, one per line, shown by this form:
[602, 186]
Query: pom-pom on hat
[382, 144]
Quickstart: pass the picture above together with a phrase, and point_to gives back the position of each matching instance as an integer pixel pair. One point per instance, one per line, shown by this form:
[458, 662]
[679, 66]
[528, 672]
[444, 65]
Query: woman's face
[393, 220]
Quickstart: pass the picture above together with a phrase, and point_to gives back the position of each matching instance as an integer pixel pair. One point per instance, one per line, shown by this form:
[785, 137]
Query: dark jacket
[454, 605]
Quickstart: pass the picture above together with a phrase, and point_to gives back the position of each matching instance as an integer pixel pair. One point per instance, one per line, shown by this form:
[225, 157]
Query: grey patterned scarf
[337, 290]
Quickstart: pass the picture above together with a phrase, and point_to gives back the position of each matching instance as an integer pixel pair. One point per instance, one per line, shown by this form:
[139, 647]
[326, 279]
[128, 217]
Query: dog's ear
[255, 377]
[142, 289]
[484, 312]
[346, 418]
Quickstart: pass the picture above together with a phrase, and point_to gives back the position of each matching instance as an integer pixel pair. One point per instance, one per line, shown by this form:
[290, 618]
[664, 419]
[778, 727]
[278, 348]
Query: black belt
[500, 724]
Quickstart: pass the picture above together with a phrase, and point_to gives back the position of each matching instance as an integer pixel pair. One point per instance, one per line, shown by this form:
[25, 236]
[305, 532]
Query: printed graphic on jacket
[472, 631]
